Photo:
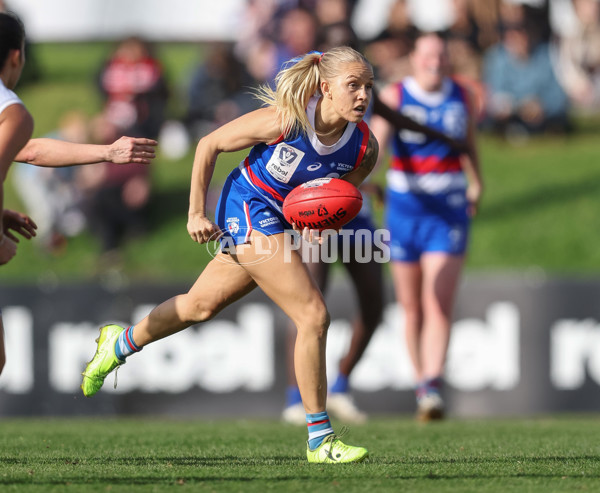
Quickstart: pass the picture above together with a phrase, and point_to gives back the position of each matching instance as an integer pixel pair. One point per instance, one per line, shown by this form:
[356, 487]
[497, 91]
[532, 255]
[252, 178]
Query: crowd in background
[530, 64]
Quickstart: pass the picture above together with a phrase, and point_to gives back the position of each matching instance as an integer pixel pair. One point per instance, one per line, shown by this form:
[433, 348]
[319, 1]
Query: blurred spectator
[296, 35]
[218, 91]
[261, 60]
[135, 90]
[257, 24]
[578, 56]
[338, 34]
[334, 25]
[524, 95]
[51, 195]
[388, 51]
[486, 16]
[331, 12]
[465, 51]
[116, 197]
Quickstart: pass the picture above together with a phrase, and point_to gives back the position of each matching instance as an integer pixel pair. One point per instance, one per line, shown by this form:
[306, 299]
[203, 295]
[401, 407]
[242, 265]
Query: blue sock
[340, 385]
[292, 395]
[125, 345]
[429, 386]
[319, 427]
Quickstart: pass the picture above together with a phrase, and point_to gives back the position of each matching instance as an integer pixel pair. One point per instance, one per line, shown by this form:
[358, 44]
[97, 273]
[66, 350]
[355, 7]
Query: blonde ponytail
[299, 80]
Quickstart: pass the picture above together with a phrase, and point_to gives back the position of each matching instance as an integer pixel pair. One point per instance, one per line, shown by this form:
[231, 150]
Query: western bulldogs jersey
[421, 164]
[7, 97]
[275, 169]
[254, 192]
[426, 207]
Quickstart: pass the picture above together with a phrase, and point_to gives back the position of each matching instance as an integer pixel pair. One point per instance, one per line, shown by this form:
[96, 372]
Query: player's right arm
[246, 131]
[55, 153]
[16, 127]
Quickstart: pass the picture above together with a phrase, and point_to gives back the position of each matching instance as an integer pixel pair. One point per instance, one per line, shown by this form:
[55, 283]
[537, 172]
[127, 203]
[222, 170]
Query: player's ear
[14, 57]
[325, 89]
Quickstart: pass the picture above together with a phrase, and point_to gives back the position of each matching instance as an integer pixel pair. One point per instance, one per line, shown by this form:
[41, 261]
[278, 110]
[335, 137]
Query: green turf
[545, 455]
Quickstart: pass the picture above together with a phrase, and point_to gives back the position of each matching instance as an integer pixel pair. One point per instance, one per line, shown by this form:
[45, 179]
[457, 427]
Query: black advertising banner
[520, 345]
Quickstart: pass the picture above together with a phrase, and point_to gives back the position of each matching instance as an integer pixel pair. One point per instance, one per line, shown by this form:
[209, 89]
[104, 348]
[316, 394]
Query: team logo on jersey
[284, 161]
[455, 120]
[233, 225]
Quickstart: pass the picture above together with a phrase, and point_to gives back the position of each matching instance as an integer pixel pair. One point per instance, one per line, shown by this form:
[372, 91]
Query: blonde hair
[299, 80]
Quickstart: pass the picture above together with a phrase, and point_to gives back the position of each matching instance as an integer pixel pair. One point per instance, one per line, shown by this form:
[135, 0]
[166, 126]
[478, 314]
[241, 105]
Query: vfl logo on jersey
[283, 162]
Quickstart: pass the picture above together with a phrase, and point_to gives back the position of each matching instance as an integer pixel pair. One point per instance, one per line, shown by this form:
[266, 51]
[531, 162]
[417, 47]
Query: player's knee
[412, 308]
[315, 320]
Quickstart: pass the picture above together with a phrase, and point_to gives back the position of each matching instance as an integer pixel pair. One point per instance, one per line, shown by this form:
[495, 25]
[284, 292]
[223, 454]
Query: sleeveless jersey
[426, 203]
[7, 97]
[421, 164]
[253, 194]
[273, 170]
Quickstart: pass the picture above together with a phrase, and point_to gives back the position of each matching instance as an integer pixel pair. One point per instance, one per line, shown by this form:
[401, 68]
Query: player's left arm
[57, 153]
[470, 159]
[369, 160]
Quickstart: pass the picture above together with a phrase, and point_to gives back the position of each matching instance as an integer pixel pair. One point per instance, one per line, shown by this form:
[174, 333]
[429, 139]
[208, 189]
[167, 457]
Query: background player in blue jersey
[432, 190]
[312, 126]
[16, 127]
[367, 280]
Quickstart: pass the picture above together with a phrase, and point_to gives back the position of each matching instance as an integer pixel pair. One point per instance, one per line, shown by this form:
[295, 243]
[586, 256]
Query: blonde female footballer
[312, 126]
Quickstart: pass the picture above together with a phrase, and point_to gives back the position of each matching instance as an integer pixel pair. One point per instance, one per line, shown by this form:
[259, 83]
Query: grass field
[550, 454]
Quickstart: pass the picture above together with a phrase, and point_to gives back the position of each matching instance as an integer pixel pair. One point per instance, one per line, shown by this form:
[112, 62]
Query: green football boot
[334, 451]
[104, 361]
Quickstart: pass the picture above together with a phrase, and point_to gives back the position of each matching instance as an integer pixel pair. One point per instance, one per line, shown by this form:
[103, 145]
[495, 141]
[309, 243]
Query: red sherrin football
[324, 203]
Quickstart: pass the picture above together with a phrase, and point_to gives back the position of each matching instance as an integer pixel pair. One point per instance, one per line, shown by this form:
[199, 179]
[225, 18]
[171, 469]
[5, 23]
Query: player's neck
[329, 127]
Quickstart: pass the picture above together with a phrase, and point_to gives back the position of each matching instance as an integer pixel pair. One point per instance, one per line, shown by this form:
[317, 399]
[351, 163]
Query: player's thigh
[441, 274]
[286, 280]
[222, 282]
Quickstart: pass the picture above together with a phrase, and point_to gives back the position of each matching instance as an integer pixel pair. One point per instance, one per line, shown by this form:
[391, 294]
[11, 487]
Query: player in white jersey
[16, 127]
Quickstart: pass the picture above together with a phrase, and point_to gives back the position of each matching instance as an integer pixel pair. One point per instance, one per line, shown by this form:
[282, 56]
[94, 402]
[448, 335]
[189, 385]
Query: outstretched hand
[17, 222]
[132, 150]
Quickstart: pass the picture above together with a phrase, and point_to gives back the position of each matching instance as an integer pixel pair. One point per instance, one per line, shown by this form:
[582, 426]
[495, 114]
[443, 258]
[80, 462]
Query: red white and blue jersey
[426, 207]
[274, 170]
[253, 194]
[421, 164]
